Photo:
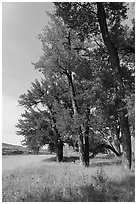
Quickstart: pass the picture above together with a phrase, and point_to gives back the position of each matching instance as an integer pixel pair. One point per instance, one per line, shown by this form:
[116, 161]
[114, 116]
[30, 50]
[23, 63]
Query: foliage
[46, 105]
[60, 49]
[35, 128]
[82, 16]
[111, 53]
[75, 59]
[123, 38]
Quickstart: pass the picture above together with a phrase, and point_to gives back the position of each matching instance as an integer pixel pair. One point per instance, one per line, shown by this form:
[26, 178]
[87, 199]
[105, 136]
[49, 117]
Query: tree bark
[76, 114]
[83, 141]
[87, 136]
[58, 141]
[58, 146]
[118, 142]
[81, 147]
[126, 141]
[86, 150]
[114, 60]
[104, 146]
[59, 151]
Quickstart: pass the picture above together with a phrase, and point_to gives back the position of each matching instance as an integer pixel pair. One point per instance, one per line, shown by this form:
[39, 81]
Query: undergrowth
[68, 182]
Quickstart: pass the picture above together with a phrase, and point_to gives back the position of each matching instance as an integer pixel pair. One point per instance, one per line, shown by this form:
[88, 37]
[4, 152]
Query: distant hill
[6, 145]
[8, 149]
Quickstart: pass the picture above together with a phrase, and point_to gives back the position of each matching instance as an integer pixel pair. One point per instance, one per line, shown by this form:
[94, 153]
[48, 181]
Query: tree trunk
[75, 115]
[114, 60]
[81, 147]
[86, 149]
[126, 141]
[118, 140]
[58, 141]
[104, 146]
[76, 111]
[59, 151]
[36, 150]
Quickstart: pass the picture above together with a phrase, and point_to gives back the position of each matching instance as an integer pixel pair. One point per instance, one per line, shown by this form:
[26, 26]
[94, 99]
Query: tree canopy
[88, 86]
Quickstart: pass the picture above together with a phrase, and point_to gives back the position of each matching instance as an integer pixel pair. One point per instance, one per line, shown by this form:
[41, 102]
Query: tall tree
[44, 103]
[60, 47]
[104, 20]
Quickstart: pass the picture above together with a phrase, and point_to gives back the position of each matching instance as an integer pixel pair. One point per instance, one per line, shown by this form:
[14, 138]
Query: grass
[68, 181]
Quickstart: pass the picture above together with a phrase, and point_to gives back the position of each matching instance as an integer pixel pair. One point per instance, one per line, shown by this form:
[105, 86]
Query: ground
[38, 178]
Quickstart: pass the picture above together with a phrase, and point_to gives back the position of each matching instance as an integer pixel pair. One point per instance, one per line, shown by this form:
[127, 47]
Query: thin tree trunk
[83, 141]
[75, 114]
[118, 142]
[104, 146]
[87, 136]
[75, 110]
[114, 60]
[86, 150]
[81, 147]
[58, 141]
[126, 141]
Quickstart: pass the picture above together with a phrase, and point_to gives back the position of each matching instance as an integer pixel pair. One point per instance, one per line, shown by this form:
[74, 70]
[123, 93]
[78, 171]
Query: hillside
[6, 145]
[8, 149]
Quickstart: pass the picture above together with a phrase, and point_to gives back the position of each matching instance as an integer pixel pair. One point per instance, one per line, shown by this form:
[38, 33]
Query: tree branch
[104, 146]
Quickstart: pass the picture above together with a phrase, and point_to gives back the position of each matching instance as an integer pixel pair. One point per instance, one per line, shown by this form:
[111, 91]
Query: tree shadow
[104, 156]
[95, 162]
[108, 162]
[106, 191]
[98, 161]
[67, 159]
[111, 191]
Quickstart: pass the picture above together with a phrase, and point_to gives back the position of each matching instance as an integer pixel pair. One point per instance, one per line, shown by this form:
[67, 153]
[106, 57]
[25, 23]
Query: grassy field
[42, 179]
[22, 161]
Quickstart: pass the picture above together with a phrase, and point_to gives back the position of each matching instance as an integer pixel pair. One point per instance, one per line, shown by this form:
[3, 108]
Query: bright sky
[21, 23]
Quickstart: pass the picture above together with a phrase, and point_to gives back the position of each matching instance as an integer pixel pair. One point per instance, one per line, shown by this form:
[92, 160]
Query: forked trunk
[58, 141]
[75, 115]
[76, 111]
[101, 147]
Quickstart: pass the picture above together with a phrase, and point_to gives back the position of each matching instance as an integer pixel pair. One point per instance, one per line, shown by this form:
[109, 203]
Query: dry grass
[51, 181]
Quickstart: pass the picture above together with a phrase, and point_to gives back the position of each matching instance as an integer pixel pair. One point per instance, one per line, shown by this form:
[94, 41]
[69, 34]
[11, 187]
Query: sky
[21, 23]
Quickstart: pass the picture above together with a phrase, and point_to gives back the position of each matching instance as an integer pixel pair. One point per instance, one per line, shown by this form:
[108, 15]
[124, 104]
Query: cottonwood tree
[61, 56]
[44, 101]
[93, 21]
[36, 129]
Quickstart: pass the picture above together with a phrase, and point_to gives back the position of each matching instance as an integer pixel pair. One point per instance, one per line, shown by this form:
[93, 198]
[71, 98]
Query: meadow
[38, 178]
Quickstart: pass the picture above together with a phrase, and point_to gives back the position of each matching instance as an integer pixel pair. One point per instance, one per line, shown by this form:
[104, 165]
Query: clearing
[38, 178]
